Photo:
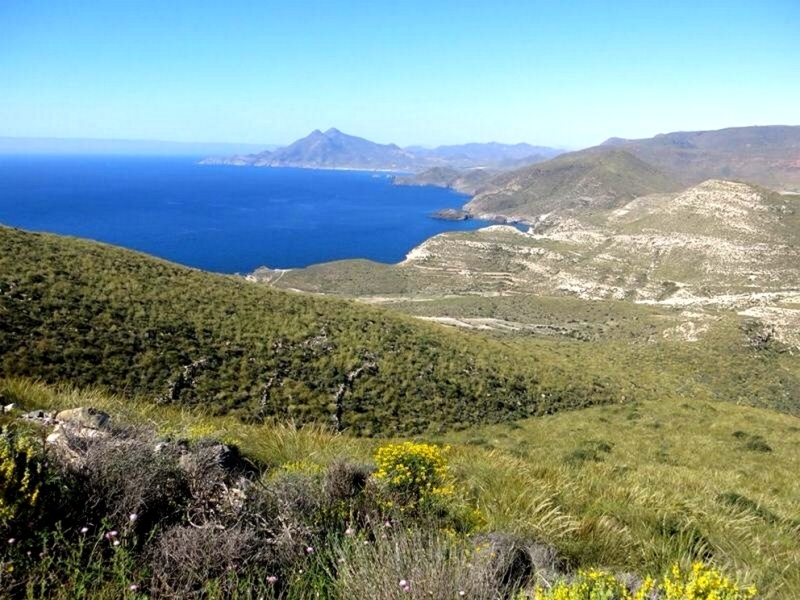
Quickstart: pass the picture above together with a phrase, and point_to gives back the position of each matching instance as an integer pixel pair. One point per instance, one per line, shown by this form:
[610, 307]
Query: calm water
[225, 219]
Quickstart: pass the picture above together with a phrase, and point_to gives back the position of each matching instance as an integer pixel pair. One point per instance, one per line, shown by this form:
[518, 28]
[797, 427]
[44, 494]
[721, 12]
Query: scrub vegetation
[665, 494]
[270, 444]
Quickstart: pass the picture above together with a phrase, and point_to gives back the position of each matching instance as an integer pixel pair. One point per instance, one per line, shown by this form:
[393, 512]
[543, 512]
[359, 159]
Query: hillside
[578, 182]
[334, 149]
[706, 277]
[620, 170]
[768, 155]
[85, 313]
[713, 239]
[467, 181]
[717, 243]
[635, 489]
[473, 155]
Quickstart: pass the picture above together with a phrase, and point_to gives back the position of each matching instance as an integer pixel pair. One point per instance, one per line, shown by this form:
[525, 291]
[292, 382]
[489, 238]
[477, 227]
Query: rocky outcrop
[451, 214]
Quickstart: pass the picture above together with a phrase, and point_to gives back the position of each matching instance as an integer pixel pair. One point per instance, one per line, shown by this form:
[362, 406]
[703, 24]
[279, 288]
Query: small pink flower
[349, 532]
[310, 550]
[84, 529]
[11, 541]
[272, 579]
[116, 542]
[110, 535]
[132, 517]
[133, 587]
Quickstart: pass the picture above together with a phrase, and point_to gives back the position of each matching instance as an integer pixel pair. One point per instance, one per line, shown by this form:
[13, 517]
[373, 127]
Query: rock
[516, 559]
[9, 407]
[39, 415]
[84, 418]
[451, 214]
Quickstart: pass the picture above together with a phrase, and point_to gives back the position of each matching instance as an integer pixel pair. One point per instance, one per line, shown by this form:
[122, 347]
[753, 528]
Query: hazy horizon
[567, 75]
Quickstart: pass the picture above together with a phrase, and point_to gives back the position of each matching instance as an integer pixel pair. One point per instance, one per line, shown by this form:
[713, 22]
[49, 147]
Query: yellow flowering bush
[594, 585]
[22, 473]
[414, 473]
[700, 583]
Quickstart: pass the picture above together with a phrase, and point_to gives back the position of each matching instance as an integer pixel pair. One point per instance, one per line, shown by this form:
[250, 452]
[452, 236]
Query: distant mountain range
[619, 170]
[333, 149]
[767, 155]
[523, 182]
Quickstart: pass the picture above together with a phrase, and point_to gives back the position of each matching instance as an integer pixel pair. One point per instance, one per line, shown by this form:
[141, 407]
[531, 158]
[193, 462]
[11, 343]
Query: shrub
[185, 559]
[127, 474]
[413, 474]
[589, 451]
[398, 563]
[25, 475]
[594, 585]
[758, 444]
[700, 583]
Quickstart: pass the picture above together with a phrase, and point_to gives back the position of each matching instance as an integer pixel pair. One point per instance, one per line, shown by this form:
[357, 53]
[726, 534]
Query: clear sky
[557, 72]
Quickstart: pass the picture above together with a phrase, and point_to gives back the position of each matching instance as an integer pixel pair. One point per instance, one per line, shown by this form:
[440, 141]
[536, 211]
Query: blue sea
[220, 218]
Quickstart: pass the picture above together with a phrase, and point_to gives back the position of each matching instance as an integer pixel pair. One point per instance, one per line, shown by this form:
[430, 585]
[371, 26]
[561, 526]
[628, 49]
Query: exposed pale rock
[84, 418]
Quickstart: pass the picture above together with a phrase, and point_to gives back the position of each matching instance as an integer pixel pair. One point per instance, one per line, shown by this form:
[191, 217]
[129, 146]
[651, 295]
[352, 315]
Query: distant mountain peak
[614, 141]
[334, 149]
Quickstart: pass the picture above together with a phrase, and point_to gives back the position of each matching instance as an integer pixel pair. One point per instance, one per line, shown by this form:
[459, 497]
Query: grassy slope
[645, 484]
[87, 313]
[578, 181]
[631, 487]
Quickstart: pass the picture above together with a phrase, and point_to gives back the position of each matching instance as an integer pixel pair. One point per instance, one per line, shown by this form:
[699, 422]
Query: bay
[223, 218]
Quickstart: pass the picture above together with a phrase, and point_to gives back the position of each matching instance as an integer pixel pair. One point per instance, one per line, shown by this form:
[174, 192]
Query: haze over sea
[223, 219]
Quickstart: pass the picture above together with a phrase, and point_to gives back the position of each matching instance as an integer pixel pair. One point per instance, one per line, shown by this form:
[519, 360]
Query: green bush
[26, 478]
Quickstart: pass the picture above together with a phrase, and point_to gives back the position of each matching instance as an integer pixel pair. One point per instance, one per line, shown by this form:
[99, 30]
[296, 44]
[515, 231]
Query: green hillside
[577, 182]
[86, 313]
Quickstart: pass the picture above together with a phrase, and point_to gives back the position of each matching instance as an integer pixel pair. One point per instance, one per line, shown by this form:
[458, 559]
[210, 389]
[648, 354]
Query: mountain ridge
[763, 155]
[333, 149]
[767, 155]
[573, 182]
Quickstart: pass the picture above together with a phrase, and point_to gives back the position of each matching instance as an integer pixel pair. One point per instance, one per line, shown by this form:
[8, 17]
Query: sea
[223, 218]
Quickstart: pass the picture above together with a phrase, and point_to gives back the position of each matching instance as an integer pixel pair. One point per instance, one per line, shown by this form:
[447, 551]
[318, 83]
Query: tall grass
[678, 484]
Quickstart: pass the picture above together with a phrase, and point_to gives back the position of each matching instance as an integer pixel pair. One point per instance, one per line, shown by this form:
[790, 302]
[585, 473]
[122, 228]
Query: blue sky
[560, 73]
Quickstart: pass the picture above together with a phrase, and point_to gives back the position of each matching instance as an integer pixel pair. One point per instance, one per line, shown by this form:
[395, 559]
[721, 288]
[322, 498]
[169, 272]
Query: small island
[451, 214]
